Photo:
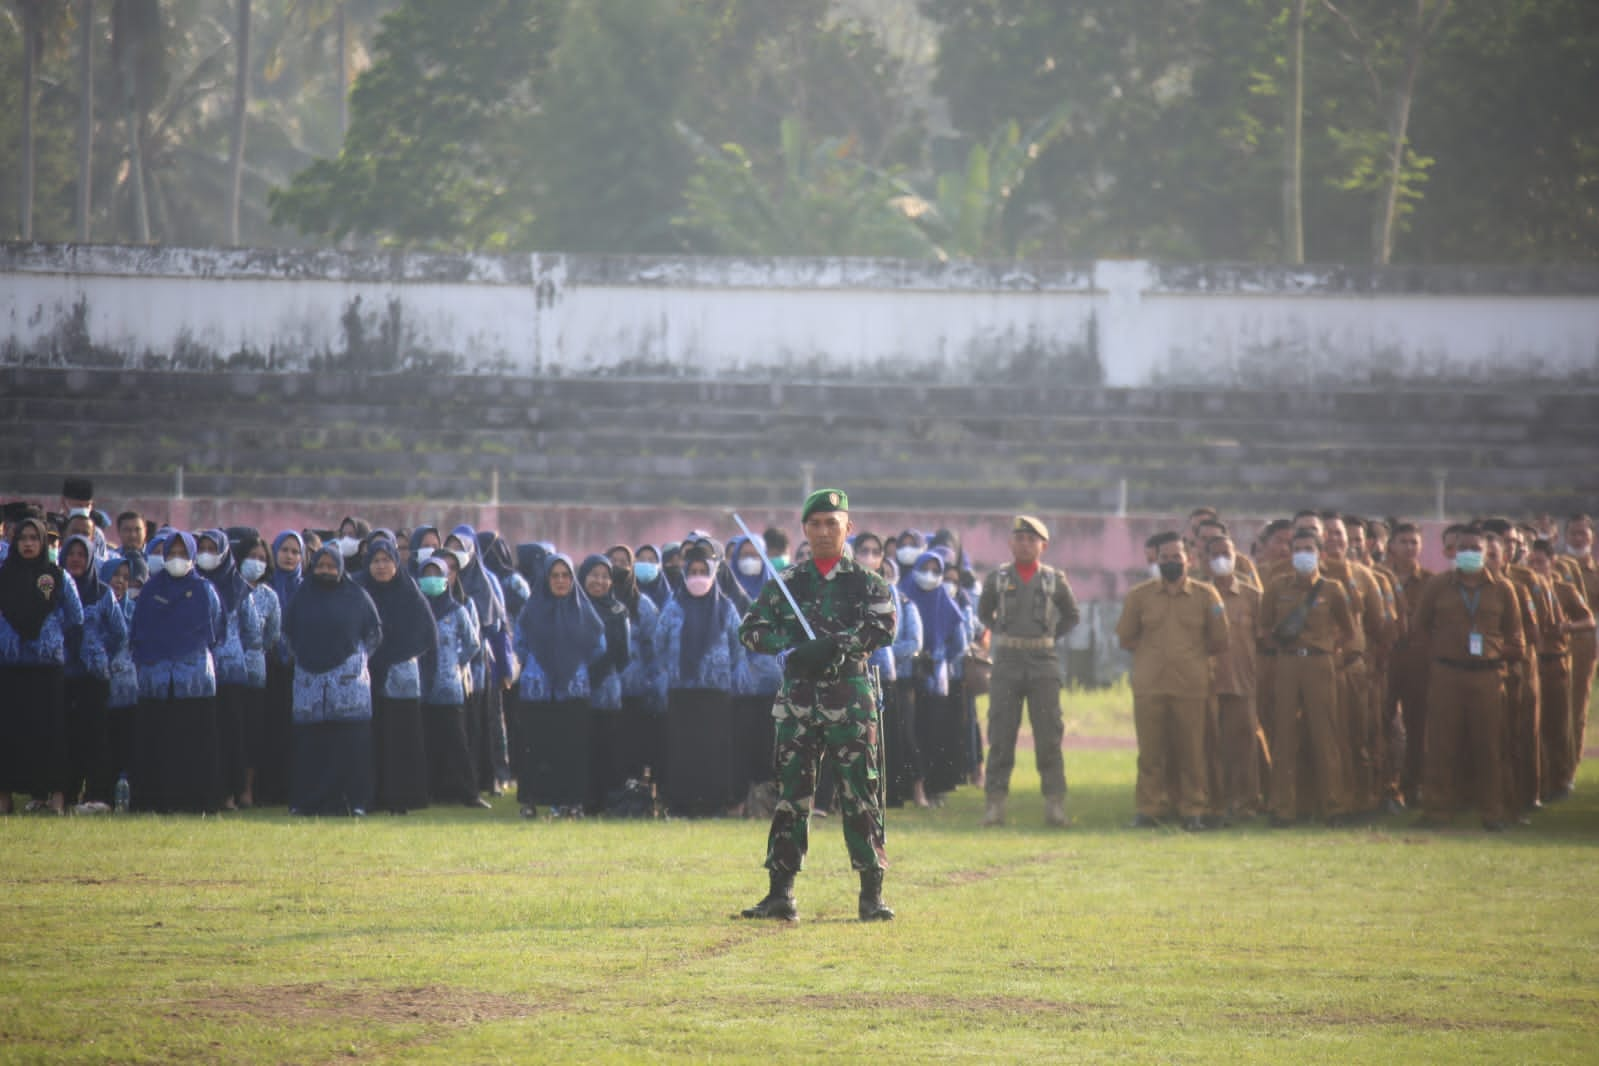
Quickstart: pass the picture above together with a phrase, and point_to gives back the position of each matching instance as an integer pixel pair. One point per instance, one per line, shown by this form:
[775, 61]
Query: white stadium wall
[1117, 323]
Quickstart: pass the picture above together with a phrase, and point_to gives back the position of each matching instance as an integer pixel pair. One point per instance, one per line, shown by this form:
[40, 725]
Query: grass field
[464, 937]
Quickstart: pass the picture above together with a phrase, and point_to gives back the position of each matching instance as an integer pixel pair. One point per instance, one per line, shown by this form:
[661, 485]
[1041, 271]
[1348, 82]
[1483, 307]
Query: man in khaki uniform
[1172, 625]
[1389, 735]
[1584, 647]
[1199, 565]
[1407, 677]
[1305, 708]
[1472, 623]
[1239, 741]
[1027, 606]
[1373, 633]
[1569, 615]
[1501, 554]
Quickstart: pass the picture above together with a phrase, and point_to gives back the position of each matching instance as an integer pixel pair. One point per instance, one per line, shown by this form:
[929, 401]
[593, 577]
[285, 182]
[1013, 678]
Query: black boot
[872, 908]
[779, 901]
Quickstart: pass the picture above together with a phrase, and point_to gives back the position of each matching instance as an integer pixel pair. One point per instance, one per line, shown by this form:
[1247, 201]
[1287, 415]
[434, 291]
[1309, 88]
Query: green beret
[824, 500]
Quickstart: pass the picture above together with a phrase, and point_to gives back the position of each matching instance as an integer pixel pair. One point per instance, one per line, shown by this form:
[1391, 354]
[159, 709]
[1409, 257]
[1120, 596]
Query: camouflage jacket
[850, 604]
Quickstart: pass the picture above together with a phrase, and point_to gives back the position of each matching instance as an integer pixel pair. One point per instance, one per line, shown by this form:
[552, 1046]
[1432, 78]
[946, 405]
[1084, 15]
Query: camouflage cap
[1026, 523]
[824, 500]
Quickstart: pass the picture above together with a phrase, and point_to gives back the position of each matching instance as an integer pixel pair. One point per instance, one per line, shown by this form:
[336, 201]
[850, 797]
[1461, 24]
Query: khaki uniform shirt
[1235, 668]
[1329, 624]
[1172, 631]
[1446, 618]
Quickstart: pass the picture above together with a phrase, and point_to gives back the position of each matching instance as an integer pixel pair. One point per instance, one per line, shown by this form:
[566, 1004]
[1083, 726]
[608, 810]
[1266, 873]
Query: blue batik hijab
[563, 632]
[174, 616]
[476, 582]
[701, 614]
[657, 588]
[328, 622]
[750, 584]
[230, 584]
[941, 618]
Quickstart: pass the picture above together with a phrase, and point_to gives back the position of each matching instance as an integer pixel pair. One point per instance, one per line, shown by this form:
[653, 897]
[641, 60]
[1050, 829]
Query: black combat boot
[872, 908]
[779, 901]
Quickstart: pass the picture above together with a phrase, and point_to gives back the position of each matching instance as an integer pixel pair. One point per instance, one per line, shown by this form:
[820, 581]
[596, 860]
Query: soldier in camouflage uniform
[827, 703]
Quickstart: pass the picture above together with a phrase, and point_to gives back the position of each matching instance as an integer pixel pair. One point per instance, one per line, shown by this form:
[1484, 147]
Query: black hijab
[624, 582]
[326, 624]
[408, 629]
[613, 613]
[29, 588]
[563, 632]
[230, 584]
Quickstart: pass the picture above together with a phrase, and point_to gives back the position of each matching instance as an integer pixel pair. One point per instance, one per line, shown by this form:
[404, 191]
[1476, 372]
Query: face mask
[348, 546]
[1171, 571]
[647, 572]
[907, 556]
[697, 584]
[325, 579]
[53, 554]
[423, 555]
[178, 567]
[750, 567]
[462, 558]
[1468, 562]
[779, 562]
[252, 569]
[1222, 566]
[927, 580]
[433, 585]
[1154, 571]
[1305, 562]
[208, 560]
[133, 591]
[1581, 553]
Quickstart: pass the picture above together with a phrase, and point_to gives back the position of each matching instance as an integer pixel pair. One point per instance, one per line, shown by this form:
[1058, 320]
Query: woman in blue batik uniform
[558, 635]
[246, 637]
[408, 634]
[88, 681]
[39, 609]
[446, 676]
[332, 628]
[178, 624]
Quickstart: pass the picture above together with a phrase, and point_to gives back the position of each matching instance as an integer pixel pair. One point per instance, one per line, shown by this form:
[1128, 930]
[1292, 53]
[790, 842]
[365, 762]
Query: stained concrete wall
[1124, 323]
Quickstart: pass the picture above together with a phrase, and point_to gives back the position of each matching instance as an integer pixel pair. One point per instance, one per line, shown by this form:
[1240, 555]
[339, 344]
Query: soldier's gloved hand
[812, 658]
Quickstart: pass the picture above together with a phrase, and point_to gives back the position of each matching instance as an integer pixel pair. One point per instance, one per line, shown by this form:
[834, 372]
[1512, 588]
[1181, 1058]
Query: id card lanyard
[1474, 641]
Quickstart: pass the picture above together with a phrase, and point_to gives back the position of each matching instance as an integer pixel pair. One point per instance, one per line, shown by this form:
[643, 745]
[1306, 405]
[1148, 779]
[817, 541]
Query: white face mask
[927, 580]
[252, 569]
[423, 555]
[1305, 562]
[178, 567]
[750, 567]
[208, 560]
[908, 556]
[1222, 566]
[698, 584]
[1581, 553]
[348, 546]
[462, 557]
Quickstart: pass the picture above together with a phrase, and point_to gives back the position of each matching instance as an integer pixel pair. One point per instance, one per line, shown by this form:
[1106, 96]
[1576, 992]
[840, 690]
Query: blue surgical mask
[252, 569]
[433, 585]
[1468, 562]
[647, 572]
[53, 553]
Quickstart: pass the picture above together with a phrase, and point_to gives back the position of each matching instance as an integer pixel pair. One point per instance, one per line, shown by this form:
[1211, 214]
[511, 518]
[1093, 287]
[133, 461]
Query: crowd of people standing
[353, 669]
[1314, 669]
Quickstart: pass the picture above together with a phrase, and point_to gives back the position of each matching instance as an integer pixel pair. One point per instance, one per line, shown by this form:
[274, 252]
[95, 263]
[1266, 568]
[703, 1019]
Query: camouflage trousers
[802, 742]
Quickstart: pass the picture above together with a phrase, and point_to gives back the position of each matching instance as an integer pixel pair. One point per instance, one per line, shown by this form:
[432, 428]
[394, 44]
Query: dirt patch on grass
[957, 878]
[973, 1004]
[1364, 1019]
[321, 1003]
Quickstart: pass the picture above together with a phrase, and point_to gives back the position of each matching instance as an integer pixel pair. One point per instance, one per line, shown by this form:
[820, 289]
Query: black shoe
[1559, 795]
[779, 902]
[1279, 822]
[1195, 824]
[872, 907]
[479, 802]
[1143, 821]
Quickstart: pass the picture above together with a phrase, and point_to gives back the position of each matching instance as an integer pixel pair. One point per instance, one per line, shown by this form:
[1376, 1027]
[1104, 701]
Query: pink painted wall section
[1104, 554]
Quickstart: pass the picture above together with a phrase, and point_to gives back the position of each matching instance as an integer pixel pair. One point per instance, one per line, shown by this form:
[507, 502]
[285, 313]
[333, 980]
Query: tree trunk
[85, 116]
[130, 113]
[1398, 125]
[30, 59]
[1293, 137]
[341, 42]
[241, 102]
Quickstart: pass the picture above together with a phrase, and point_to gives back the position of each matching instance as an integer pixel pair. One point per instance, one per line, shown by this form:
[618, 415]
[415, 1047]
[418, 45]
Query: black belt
[1553, 656]
[1473, 665]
